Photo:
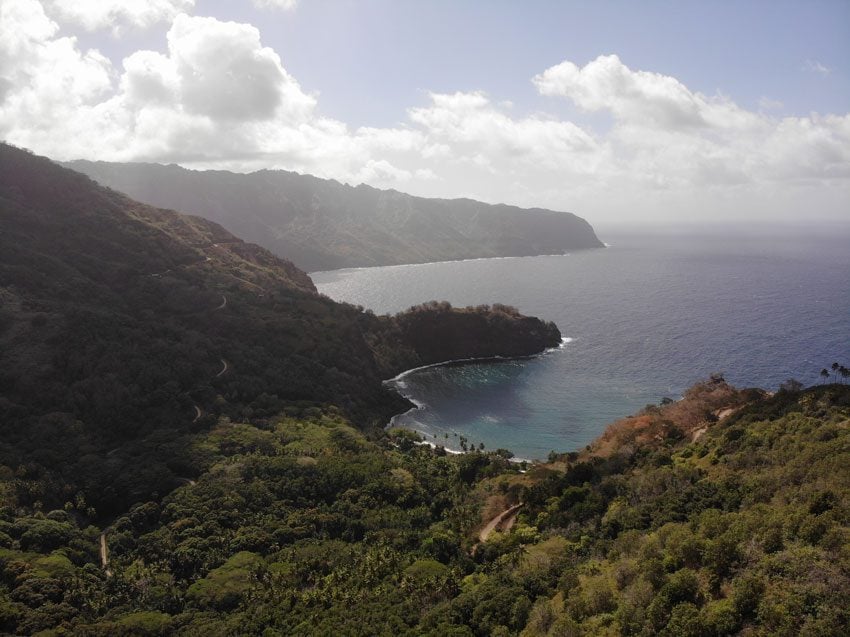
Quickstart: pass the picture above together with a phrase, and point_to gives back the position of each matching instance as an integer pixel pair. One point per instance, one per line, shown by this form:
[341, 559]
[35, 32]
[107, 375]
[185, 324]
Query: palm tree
[824, 373]
[835, 367]
[844, 372]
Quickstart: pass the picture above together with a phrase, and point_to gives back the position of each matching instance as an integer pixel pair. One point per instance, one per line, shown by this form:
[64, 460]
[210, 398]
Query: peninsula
[321, 224]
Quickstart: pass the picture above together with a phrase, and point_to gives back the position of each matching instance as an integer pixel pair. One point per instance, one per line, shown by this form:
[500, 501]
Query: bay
[646, 318]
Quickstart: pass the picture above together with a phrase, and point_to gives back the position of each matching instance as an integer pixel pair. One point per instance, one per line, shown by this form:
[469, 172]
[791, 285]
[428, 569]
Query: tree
[791, 385]
[844, 372]
[835, 367]
[824, 373]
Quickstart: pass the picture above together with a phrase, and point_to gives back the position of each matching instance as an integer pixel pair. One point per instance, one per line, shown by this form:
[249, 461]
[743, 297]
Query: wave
[397, 383]
[459, 452]
[434, 445]
[455, 361]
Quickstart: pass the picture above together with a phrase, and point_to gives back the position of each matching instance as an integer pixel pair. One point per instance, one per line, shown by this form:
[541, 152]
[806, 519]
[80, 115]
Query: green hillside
[304, 527]
[191, 443]
[321, 224]
[126, 329]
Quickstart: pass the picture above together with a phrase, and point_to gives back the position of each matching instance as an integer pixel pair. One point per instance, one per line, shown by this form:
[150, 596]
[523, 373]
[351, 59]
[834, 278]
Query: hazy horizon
[794, 224]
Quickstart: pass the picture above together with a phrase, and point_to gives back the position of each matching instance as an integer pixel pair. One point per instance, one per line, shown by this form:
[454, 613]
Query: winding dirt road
[224, 367]
[502, 522]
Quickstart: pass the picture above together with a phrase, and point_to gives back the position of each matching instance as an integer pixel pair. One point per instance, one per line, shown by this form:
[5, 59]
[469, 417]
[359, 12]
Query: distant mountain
[125, 328]
[322, 224]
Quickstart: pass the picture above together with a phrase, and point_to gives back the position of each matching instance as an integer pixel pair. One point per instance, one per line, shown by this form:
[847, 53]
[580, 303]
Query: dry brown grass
[700, 408]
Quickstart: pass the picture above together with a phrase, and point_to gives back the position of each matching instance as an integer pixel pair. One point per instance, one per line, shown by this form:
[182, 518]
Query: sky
[622, 112]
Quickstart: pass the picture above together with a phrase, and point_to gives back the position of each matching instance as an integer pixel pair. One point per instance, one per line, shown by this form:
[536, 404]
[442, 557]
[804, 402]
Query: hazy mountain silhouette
[322, 224]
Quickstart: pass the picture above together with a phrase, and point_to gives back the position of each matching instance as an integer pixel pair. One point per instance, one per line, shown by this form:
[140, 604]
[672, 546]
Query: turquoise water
[648, 316]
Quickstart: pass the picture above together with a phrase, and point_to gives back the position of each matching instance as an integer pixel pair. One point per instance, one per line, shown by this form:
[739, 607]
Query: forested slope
[124, 329]
[322, 224]
[302, 526]
[190, 444]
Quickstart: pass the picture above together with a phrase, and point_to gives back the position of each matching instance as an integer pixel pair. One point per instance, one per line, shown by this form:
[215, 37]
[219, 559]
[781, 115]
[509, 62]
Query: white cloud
[816, 67]
[225, 72]
[286, 5]
[382, 172]
[209, 97]
[93, 15]
[218, 98]
[426, 174]
[650, 99]
[471, 126]
[150, 78]
[47, 78]
[672, 137]
[606, 83]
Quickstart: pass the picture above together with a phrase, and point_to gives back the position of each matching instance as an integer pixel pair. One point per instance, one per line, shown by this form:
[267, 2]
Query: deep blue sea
[647, 317]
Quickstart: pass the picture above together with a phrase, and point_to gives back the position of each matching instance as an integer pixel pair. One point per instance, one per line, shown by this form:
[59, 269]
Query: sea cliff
[321, 224]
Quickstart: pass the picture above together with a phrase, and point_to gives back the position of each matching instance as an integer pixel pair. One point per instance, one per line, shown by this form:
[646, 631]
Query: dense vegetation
[190, 444]
[302, 526]
[125, 329]
[321, 224]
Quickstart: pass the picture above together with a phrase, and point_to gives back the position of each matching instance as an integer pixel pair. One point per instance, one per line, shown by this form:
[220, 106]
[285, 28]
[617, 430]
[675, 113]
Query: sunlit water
[647, 316]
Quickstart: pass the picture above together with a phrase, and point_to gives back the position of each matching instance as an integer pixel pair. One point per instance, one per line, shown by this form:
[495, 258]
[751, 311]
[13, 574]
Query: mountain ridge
[122, 324]
[323, 224]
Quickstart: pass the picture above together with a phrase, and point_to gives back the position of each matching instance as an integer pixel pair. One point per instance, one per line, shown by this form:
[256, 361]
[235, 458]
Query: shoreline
[479, 359]
[356, 268]
[460, 452]
[458, 362]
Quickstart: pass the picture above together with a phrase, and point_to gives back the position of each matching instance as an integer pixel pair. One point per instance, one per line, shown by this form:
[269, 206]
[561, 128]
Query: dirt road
[503, 521]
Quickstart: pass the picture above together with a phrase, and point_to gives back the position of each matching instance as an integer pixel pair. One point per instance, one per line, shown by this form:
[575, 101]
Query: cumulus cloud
[225, 73]
[468, 129]
[217, 97]
[93, 15]
[218, 70]
[381, 171]
[47, 79]
[207, 97]
[677, 138]
[637, 96]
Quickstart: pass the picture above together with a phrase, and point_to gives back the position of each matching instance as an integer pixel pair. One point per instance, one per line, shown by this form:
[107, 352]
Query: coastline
[393, 384]
[480, 359]
[460, 452]
[411, 265]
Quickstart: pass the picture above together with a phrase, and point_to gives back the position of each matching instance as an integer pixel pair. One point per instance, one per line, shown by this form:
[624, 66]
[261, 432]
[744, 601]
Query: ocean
[644, 319]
